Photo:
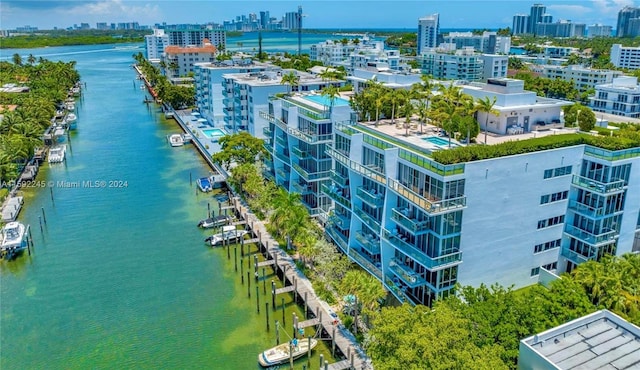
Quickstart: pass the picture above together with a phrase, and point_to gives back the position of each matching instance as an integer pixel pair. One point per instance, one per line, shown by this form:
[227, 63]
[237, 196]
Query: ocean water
[119, 276]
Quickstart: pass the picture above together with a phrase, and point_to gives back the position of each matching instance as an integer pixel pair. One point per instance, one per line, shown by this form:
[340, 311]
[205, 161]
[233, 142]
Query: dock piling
[235, 257]
[321, 360]
[208, 209]
[51, 192]
[333, 342]
[295, 325]
[40, 220]
[266, 306]
[264, 283]
[257, 300]
[282, 306]
[278, 333]
[190, 179]
[248, 285]
[306, 306]
[273, 294]
[44, 217]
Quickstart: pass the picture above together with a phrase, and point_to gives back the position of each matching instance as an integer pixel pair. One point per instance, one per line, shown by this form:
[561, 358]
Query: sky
[344, 14]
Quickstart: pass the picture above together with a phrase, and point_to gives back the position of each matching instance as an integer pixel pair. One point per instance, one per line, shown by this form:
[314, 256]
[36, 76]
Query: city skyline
[345, 14]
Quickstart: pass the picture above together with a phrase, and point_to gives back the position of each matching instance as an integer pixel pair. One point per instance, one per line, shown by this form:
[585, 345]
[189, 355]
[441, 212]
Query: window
[550, 266]
[555, 172]
[535, 271]
[550, 222]
[546, 246]
[555, 197]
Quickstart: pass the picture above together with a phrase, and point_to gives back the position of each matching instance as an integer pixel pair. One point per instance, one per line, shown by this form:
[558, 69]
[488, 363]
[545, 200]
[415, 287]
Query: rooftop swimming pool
[324, 100]
[439, 141]
[213, 133]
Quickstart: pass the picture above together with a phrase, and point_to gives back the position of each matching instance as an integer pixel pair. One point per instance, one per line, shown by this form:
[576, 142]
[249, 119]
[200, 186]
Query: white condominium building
[180, 61]
[428, 30]
[583, 78]
[487, 43]
[360, 78]
[196, 36]
[625, 56]
[155, 44]
[620, 97]
[462, 64]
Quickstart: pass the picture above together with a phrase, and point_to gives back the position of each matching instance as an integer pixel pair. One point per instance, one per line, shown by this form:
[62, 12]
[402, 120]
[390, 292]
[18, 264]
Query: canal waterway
[119, 276]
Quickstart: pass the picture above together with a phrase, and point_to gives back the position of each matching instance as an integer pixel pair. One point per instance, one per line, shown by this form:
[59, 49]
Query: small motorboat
[283, 352]
[57, 153]
[175, 140]
[14, 239]
[217, 221]
[186, 138]
[205, 184]
[229, 234]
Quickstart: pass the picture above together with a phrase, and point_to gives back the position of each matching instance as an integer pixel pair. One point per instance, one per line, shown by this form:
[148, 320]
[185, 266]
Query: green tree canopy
[240, 148]
[585, 117]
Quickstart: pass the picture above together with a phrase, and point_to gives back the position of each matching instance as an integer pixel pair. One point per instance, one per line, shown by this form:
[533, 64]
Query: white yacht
[229, 234]
[14, 239]
[175, 140]
[56, 154]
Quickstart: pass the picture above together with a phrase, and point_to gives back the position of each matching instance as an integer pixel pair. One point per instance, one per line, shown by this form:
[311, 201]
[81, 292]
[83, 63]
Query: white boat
[229, 234]
[176, 140]
[205, 184]
[56, 154]
[70, 118]
[70, 106]
[216, 221]
[14, 239]
[186, 138]
[283, 352]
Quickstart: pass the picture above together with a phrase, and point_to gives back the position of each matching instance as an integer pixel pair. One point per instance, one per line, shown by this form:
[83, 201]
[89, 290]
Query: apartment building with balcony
[244, 95]
[208, 82]
[354, 55]
[155, 44]
[620, 97]
[488, 42]
[195, 35]
[180, 61]
[300, 127]
[625, 56]
[448, 63]
[583, 78]
[420, 226]
[362, 77]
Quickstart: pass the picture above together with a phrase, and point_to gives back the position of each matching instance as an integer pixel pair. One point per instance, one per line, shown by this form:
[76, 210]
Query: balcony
[589, 238]
[409, 277]
[366, 263]
[266, 131]
[592, 212]
[338, 178]
[267, 146]
[574, 257]
[402, 217]
[357, 167]
[302, 188]
[310, 138]
[597, 186]
[283, 172]
[368, 220]
[432, 207]
[368, 242]
[282, 156]
[336, 196]
[337, 237]
[274, 120]
[397, 290]
[267, 174]
[431, 263]
[342, 222]
[267, 162]
[281, 140]
[311, 176]
[370, 196]
[299, 152]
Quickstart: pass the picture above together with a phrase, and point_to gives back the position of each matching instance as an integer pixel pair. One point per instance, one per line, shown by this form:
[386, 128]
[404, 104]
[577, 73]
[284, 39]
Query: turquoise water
[438, 141]
[324, 100]
[119, 276]
[213, 132]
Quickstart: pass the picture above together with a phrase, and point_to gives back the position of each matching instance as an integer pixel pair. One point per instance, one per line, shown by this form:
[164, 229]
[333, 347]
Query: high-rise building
[535, 16]
[428, 29]
[625, 56]
[264, 19]
[598, 30]
[520, 24]
[155, 44]
[624, 28]
[195, 36]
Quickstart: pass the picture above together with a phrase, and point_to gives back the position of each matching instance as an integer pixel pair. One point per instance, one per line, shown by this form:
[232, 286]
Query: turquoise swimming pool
[213, 133]
[439, 141]
[324, 100]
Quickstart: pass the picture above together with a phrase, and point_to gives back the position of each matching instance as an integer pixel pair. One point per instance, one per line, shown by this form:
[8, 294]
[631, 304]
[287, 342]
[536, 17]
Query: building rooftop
[601, 340]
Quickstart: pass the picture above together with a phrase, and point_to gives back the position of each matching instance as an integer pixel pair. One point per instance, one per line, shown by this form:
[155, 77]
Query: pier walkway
[285, 266]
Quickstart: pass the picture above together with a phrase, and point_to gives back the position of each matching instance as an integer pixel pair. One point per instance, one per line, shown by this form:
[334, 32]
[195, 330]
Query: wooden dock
[11, 208]
[296, 282]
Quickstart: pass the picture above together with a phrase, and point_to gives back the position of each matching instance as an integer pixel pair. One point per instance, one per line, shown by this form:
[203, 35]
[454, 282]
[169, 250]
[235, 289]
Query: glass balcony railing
[302, 188]
[267, 162]
[366, 263]
[431, 263]
[266, 131]
[368, 219]
[267, 174]
[343, 222]
[411, 278]
[281, 140]
[308, 176]
[432, 207]
[283, 173]
[397, 291]
[340, 240]
[267, 146]
[357, 167]
[576, 258]
[283, 126]
[310, 138]
[605, 237]
[336, 196]
[597, 186]
[371, 197]
[402, 217]
[299, 152]
[282, 156]
[368, 242]
[593, 212]
[338, 178]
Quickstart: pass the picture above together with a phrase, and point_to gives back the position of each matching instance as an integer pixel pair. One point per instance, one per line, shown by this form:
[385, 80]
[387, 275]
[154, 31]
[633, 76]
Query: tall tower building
[535, 16]
[625, 27]
[520, 24]
[264, 19]
[428, 29]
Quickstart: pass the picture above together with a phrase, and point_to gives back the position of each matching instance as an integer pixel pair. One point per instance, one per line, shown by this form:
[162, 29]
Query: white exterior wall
[499, 225]
[259, 101]
[155, 44]
[625, 56]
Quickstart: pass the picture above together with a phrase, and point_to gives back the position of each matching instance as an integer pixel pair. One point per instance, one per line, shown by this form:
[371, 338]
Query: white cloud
[610, 7]
[116, 10]
[571, 10]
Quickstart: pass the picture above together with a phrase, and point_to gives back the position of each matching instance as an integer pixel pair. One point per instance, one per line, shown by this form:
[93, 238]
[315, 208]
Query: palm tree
[31, 59]
[395, 96]
[407, 108]
[17, 59]
[290, 79]
[486, 105]
[424, 94]
[331, 92]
